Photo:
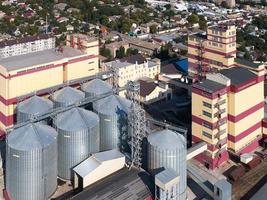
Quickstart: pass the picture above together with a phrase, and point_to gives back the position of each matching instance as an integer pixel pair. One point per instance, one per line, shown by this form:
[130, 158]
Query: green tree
[105, 52]
[193, 19]
[104, 20]
[120, 53]
[153, 29]
[202, 23]
[131, 51]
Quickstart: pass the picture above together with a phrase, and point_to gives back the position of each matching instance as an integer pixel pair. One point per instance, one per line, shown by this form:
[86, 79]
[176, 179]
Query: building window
[207, 125]
[208, 105]
[206, 134]
[207, 114]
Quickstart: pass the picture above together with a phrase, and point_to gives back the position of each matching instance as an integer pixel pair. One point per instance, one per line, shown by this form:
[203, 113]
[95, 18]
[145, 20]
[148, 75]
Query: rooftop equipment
[67, 96]
[31, 165]
[78, 137]
[167, 149]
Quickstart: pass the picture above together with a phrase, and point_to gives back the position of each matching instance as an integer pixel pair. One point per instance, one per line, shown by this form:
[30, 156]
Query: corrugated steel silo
[96, 87]
[168, 149]
[78, 136]
[33, 106]
[112, 113]
[31, 162]
[67, 96]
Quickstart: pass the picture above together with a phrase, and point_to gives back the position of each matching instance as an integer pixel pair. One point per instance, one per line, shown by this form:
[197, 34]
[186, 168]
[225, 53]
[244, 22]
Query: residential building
[227, 113]
[214, 49]
[152, 91]
[133, 68]
[115, 46]
[36, 71]
[26, 45]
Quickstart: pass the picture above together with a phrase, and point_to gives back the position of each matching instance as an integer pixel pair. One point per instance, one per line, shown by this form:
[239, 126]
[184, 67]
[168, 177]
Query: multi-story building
[215, 49]
[133, 68]
[26, 45]
[227, 113]
[39, 70]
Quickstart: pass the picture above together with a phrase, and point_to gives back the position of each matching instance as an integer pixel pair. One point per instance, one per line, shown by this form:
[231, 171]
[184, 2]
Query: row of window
[208, 135]
[208, 105]
[220, 45]
[208, 114]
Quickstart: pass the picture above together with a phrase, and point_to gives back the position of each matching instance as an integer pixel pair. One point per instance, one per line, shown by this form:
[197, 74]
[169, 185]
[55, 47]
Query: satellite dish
[182, 79]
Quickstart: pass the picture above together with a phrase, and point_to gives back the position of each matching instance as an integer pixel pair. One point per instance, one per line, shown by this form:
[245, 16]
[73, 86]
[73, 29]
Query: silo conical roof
[35, 105]
[68, 96]
[111, 103]
[76, 119]
[31, 137]
[96, 87]
[166, 139]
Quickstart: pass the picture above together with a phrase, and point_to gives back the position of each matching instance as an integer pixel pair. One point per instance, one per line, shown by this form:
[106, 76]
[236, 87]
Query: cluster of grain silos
[78, 136]
[38, 154]
[168, 149]
[31, 162]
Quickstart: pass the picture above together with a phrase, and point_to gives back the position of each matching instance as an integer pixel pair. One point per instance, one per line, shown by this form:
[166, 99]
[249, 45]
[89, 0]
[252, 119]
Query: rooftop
[238, 75]
[122, 185]
[146, 86]
[169, 69]
[247, 63]
[38, 58]
[209, 86]
[134, 58]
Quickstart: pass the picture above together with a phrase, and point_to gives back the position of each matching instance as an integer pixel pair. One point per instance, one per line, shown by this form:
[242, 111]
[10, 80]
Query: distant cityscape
[133, 99]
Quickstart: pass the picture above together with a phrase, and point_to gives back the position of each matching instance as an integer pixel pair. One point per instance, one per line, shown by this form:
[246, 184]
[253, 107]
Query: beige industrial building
[30, 72]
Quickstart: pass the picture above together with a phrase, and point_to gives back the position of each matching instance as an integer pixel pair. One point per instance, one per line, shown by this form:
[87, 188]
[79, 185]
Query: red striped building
[227, 113]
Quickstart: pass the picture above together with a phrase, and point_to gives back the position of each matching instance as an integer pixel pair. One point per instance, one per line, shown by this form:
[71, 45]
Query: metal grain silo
[168, 149]
[96, 87]
[112, 113]
[67, 96]
[33, 106]
[31, 162]
[78, 136]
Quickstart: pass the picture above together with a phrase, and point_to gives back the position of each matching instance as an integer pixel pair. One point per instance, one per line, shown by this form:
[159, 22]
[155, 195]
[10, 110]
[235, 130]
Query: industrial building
[44, 67]
[228, 109]
[89, 150]
[215, 49]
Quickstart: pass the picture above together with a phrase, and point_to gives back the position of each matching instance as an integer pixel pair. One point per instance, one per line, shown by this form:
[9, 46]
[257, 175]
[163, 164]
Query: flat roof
[247, 63]
[238, 75]
[122, 185]
[38, 58]
[210, 86]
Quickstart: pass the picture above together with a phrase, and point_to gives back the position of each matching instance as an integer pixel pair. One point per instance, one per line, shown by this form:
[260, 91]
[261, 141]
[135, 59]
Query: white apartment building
[133, 68]
[25, 45]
